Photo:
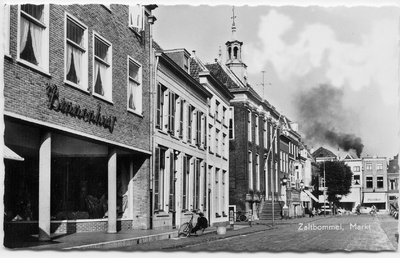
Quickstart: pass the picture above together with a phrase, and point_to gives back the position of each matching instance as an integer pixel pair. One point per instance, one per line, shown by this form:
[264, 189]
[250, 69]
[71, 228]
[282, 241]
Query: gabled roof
[348, 156]
[225, 75]
[323, 153]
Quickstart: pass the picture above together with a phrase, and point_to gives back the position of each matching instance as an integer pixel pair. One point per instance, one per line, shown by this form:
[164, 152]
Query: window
[224, 115]
[379, 182]
[171, 112]
[160, 105]
[392, 185]
[76, 56]
[379, 166]
[102, 68]
[33, 42]
[223, 154]
[136, 17]
[186, 64]
[257, 130]
[134, 86]
[369, 181]
[159, 179]
[249, 125]
[369, 166]
[196, 187]
[217, 151]
[7, 29]
[265, 135]
[190, 122]
[223, 189]
[356, 180]
[217, 110]
[172, 176]
[198, 128]
[185, 182]
[257, 172]
[205, 187]
[181, 116]
[231, 123]
[216, 192]
[250, 168]
[356, 169]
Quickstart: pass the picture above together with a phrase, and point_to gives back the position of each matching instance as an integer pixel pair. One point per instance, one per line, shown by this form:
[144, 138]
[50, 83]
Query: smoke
[324, 120]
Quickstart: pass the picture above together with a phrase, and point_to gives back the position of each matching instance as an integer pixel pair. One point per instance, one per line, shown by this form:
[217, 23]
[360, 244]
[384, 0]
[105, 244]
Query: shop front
[377, 199]
[69, 183]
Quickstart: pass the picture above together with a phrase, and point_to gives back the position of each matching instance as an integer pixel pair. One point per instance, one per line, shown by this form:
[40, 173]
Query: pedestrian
[202, 223]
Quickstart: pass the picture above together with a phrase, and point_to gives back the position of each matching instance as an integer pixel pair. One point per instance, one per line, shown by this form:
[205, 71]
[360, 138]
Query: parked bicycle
[187, 228]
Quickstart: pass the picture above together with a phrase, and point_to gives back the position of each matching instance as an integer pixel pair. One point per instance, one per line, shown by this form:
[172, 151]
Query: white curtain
[77, 61]
[132, 94]
[103, 90]
[24, 34]
[36, 33]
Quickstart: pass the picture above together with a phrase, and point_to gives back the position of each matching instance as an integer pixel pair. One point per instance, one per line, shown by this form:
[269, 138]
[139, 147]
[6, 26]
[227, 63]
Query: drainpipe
[151, 19]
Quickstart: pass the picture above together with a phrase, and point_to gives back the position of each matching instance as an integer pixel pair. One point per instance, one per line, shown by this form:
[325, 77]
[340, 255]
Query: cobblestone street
[347, 233]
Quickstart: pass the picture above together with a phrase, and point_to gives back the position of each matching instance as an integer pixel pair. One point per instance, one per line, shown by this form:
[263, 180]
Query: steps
[266, 213]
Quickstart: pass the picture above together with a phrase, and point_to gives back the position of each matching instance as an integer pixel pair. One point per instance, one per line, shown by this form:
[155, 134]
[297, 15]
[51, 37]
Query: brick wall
[25, 88]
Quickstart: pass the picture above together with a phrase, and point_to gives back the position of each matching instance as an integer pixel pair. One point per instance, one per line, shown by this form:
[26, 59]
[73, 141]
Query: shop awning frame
[10, 154]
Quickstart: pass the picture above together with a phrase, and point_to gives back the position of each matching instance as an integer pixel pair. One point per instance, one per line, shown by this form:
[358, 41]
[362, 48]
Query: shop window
[369, 183]
[379, 182]
[33, 42]
[134, 86]
[102, 74]
[76, 56]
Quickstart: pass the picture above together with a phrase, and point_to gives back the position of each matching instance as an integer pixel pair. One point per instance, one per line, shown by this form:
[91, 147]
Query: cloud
[373, 60]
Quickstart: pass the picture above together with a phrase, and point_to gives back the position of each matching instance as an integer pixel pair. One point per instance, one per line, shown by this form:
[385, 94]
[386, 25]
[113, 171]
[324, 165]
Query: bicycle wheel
[184, 230]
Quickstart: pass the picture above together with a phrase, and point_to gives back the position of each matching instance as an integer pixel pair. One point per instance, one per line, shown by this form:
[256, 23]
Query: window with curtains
[250, 170]
[256, 130]
[249, 129]
[198, 127]
[76, 56]
[136, 17]
[102, 68]
[134, 86]
[33, 44]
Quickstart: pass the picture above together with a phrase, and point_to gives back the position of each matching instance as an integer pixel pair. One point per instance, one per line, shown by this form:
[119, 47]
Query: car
[325, 210]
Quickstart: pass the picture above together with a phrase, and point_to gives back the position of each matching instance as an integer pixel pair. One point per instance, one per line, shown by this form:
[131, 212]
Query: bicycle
[186, 228]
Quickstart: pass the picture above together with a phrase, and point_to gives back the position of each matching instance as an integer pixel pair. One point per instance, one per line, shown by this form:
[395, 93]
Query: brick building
[77, 111]
[256, 132]
[375, 186]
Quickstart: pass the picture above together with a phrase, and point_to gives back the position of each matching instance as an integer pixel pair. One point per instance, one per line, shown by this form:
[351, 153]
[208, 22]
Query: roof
[323, 153]
[227, 77]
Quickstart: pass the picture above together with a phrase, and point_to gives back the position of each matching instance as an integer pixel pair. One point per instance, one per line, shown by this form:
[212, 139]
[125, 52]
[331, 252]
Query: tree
[338, 179]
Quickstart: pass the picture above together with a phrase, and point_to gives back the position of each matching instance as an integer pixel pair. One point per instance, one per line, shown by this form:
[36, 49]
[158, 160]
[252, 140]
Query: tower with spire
[234, 54]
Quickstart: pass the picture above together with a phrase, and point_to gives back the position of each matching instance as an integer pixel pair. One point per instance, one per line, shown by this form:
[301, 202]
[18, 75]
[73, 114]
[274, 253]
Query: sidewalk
[103, 240]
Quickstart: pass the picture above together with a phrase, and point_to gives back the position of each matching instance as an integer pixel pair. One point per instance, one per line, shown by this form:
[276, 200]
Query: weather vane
[233, 16]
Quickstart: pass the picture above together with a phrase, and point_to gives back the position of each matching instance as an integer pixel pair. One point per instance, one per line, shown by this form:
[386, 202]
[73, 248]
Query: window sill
[8, 56]
[135, 113]
[162, 132]
[138, 32]
[33, 67]
[102, 98]
[174, 137]
[76, 86]
[219, 156]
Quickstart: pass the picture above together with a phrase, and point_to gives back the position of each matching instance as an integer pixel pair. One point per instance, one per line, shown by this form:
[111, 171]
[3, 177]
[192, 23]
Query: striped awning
[9, 154]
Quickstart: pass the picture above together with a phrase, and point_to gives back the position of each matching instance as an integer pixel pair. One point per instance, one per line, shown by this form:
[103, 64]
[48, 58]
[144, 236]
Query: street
[345, 233]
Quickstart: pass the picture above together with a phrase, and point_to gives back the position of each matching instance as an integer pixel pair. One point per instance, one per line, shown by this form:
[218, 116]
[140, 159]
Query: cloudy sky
[335, 67]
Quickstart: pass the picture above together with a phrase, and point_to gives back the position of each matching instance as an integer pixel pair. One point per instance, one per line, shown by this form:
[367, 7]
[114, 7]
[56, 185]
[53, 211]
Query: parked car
[325, 210]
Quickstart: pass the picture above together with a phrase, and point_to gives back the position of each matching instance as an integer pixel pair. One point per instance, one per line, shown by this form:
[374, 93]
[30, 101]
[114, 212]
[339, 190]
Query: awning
[354, 196]
[311, 195]
[9, 154]
[374, 197]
